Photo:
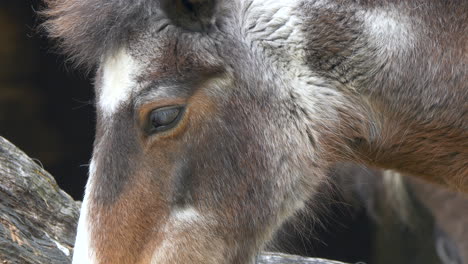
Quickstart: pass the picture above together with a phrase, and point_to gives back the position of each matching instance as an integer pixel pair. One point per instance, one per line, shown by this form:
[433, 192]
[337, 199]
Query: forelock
[86, 30]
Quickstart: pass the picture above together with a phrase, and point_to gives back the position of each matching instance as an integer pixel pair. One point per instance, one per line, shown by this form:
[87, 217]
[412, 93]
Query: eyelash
[152, 128]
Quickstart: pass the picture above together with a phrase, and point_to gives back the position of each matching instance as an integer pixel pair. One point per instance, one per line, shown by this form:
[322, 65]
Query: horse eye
[164, 118]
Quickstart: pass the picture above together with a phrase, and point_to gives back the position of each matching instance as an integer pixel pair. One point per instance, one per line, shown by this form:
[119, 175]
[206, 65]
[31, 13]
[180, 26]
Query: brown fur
[270, 107]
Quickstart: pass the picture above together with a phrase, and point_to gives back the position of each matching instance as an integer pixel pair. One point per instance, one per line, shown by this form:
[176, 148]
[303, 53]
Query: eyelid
[180, 126]
[150, 130]
[157, 90]
[144, 110]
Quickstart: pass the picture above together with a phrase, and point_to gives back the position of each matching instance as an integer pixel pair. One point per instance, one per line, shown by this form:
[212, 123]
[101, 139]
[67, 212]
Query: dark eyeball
[164, 118]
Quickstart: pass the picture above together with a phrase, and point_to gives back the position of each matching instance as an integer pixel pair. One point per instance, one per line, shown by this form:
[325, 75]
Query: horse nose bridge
[121, 229]
[113, 164]
[123, 211]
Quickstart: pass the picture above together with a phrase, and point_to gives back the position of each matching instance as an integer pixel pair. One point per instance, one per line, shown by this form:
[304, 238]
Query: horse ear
[194, 15]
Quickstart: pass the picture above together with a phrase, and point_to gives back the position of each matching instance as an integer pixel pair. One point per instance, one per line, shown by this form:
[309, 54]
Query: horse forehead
[118, 81]
[120, 70]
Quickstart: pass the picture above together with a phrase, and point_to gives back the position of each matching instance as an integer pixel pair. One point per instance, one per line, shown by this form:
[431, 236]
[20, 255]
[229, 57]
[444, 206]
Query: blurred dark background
[45, 106]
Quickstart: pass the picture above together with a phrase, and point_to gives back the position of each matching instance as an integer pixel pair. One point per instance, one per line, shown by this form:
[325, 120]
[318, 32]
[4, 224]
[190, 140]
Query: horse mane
[86, 30]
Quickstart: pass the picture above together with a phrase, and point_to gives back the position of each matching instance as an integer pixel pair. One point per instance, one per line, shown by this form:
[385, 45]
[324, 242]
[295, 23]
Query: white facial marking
[180, 220]
[185, 215]
[118, 80]
[83, 253]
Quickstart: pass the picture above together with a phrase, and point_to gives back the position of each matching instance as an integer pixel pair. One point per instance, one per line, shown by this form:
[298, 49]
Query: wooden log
[38, 220]
[279, 258]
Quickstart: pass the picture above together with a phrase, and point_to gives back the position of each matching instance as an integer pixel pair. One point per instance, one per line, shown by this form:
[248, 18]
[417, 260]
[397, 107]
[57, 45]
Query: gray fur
[88, 29]
[277, 92]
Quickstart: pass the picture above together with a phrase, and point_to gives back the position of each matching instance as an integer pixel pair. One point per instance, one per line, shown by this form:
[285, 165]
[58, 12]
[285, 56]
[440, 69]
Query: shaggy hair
[88, 29]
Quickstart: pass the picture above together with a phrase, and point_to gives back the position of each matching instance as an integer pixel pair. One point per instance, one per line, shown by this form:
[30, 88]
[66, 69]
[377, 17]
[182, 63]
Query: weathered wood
[279, 258]
[38, 219]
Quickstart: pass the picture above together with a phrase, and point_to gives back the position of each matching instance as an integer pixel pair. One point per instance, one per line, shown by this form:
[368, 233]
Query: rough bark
[38, 219]
[279, 258]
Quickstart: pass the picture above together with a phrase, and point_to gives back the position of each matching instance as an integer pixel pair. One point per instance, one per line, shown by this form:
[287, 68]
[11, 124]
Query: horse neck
[401, 71]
